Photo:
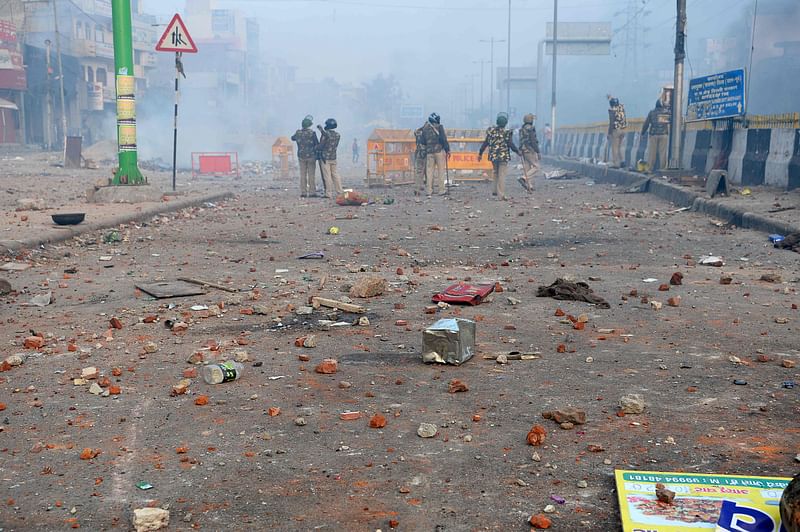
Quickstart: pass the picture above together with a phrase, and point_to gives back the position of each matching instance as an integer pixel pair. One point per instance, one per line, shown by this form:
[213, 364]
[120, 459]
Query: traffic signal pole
[128, 172]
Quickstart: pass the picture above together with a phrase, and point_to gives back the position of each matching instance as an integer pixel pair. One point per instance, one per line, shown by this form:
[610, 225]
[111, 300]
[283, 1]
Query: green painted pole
[128, 172]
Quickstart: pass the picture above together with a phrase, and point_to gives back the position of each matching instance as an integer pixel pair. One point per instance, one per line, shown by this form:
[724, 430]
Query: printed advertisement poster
[126, 109]
[716, 503]
[127, 137]
[126, 86]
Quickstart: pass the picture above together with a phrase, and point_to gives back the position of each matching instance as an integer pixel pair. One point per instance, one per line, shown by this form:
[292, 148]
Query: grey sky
[430, 45]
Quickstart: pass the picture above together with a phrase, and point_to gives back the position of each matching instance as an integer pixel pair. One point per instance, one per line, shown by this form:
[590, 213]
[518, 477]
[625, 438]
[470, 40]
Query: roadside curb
[679, 196]
[51, 236]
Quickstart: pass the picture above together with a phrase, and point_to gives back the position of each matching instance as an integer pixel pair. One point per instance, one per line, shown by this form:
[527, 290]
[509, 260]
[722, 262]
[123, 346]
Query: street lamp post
[508, 65]
[491, 74]
[555, 62]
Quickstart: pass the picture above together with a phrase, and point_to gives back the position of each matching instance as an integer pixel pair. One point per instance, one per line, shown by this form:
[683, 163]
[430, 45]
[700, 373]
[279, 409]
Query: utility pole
[555, 63]
[60, 82]
[491, 76]
[508, 66]
[48, 126]
[677, 98]
[128, 172]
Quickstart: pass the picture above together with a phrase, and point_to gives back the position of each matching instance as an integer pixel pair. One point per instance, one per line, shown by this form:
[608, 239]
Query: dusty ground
[229, 465]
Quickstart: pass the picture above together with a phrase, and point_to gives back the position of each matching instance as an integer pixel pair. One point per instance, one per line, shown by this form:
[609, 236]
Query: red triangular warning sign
[176, 38]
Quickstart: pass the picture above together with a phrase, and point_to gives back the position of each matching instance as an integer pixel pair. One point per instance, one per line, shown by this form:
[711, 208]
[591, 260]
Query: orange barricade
[390, 156]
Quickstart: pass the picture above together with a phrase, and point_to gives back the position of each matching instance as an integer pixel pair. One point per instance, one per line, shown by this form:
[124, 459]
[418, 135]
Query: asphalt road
[230, 465]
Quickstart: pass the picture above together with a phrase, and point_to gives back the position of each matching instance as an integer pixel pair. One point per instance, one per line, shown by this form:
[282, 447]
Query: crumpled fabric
[569, 291]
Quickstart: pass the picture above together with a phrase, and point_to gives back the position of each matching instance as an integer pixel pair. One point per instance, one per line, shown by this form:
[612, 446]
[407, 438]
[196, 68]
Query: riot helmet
[331, 123]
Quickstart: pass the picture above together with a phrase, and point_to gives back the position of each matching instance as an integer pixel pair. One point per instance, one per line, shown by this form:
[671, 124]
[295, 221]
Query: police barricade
[283, 157]
[390, 157]
[463, 164]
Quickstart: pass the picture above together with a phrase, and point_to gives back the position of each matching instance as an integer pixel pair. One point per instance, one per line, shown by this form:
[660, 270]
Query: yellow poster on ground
[716, 503]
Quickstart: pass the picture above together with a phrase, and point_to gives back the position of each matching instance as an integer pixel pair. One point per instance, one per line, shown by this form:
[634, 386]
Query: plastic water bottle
[225, 372]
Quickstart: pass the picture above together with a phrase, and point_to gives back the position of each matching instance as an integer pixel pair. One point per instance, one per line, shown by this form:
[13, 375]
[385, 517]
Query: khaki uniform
[420, 162]
[529, 146]
[437, 148]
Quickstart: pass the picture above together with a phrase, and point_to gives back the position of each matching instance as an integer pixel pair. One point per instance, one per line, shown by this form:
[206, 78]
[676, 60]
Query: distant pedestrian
[617, 123]
[529, 146]
[420, 161]
[328, 144]
[355, 151]
[658, 124]
[307, 143]
[437, 151]
[548, 138]
[500, 143]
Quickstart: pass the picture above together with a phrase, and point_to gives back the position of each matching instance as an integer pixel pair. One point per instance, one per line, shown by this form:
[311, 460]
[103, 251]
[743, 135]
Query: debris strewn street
[326, 416]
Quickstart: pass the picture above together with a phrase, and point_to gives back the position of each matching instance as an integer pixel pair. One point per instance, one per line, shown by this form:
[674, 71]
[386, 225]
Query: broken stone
[150, 347]
[369, 287]
[663, 494]
[676, 279]
[771, 278]
[536, 458]
[241, 356]
[300, 421]
[328, 366]
[538, 521]
[149, 519]
[15, 360]
[725, 280]
[179, 326]
[363, 321]
[95, 389]
[502, 359]
[674, 301]
[536, 435]
[457, 386]
[304, 311]
[310, 341]
[181, 387]
[513, 301]
[31, 204]
[582, 484]
[5, 287]
[788, 363]
[427, 430]
[89, 373]
[33, 342]
[377, 421]
[632, 403]
[261, 310]
[567, 425]
[549, 509]
[195, 358]
[656, 305]
[566, 415]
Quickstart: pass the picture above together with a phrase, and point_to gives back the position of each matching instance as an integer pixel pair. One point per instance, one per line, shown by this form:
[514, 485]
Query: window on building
[88, 31]
[99, 35]
[79, 30]
[89, 75]
[101, 76]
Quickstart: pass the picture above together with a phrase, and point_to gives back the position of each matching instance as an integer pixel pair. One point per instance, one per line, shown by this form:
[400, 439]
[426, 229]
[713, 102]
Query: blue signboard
[716, 96]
